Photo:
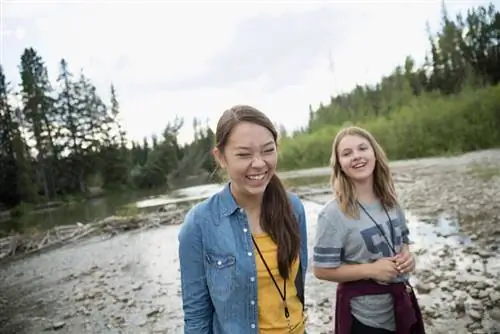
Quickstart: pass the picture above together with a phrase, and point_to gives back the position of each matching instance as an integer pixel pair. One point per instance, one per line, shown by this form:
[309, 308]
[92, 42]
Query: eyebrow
[262, 146]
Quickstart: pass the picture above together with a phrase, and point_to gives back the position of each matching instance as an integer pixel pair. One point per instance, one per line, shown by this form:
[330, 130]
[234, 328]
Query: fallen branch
[61, 235]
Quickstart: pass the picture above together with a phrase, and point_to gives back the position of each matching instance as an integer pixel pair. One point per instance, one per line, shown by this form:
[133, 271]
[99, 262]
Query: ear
[219, 157]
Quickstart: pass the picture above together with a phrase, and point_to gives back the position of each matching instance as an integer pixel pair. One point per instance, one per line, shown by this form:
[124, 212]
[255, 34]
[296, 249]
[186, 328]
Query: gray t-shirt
[343, 240]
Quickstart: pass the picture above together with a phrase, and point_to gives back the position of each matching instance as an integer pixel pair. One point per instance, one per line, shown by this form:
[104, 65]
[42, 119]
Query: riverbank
[462, 278]
[130, 283]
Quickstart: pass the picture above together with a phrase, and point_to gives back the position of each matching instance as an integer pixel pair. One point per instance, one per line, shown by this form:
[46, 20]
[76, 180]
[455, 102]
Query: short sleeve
[329, 241]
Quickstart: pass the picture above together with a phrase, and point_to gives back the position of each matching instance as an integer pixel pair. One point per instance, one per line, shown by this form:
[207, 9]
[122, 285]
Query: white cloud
[288, 106]
[139, 47]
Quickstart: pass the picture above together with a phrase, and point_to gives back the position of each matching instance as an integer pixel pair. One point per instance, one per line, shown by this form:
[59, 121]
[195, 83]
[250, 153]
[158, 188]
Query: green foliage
[428, 127]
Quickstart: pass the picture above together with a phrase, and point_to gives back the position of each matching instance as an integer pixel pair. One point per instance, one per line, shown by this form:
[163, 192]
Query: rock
[495, 298]
[154, 312]
[429, 312]
[324, 302]
[79, 296]
[483, 294]
[474, 292]
[425, 288]
[138, 319]
[495, 315]
[56, 326]
[474, 309]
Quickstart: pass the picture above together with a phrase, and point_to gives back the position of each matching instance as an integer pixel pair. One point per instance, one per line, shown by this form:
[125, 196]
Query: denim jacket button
[245, 230]
[252, 279]
[249, 254]
[219, 262]
[253, 326]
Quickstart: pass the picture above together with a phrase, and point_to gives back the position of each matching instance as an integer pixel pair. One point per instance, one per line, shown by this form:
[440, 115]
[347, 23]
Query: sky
[199, 58]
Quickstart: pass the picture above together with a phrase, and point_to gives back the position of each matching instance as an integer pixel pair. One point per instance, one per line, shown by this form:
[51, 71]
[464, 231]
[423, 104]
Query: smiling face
[249, 157]
[356, 157]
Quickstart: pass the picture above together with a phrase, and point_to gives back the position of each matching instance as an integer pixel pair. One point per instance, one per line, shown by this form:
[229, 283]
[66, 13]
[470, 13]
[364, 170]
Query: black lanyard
[409, 288]
[391, 228]
[282, 295]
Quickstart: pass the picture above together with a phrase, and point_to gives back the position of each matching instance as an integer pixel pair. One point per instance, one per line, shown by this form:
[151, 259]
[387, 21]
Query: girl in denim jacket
[243, 251]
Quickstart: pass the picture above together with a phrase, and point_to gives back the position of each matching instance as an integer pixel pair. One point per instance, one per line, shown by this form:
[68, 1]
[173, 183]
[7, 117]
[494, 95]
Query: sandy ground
[130, 283]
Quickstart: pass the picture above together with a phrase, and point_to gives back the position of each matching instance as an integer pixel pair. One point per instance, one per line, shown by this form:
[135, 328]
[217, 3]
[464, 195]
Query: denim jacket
[218, 271]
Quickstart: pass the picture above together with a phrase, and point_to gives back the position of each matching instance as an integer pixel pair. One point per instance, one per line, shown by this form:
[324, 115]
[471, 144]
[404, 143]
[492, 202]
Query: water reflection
[435, 231]
[204, 190]
[83, 211]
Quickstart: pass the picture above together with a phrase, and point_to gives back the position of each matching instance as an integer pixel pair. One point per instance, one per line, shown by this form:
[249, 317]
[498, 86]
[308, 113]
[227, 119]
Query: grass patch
[127, 210]
[485, 173]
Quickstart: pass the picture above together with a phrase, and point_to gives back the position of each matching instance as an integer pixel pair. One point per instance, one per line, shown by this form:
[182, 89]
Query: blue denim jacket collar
[229, 205]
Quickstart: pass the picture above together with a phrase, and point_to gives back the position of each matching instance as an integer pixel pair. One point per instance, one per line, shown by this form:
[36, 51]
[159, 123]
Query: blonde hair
[342, 185]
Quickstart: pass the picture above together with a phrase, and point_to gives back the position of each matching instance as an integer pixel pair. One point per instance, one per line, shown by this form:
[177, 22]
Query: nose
[357, 155]
[258, 162]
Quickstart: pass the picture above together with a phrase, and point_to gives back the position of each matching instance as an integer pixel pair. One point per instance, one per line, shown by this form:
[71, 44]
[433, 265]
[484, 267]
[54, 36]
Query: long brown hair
[342, 185]
[276, 217]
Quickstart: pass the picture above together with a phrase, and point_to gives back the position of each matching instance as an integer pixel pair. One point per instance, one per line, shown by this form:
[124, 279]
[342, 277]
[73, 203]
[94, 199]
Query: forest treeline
[62, 139]
[449, 105]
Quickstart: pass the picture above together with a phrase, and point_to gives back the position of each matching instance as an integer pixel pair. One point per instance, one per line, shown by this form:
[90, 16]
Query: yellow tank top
[271, 312]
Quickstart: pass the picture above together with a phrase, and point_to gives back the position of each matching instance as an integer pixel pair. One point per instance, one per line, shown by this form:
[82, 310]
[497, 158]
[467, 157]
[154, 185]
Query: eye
[269, 150]
[243, 155]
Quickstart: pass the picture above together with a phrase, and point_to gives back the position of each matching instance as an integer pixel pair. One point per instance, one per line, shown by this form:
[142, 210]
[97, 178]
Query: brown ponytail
[279, 221]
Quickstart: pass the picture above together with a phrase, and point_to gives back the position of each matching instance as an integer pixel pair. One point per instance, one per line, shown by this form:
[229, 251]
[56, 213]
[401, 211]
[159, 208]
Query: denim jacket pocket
[220, 273]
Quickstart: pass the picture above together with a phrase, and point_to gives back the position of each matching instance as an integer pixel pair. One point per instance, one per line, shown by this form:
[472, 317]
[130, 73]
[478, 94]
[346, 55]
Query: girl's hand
[383, 270]
[405, 262]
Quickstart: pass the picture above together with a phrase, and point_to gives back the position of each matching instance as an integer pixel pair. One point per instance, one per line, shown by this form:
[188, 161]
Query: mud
[130, 283]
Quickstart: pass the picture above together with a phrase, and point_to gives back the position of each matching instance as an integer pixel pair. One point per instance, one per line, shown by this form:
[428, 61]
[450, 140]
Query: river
[130, 283]
[101, 207]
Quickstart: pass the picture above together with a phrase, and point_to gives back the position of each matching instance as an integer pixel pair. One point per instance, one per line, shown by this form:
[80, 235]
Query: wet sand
[130, 283]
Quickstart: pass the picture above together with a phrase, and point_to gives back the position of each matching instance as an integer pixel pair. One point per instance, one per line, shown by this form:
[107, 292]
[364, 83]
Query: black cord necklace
[282, 294]
[392, 245]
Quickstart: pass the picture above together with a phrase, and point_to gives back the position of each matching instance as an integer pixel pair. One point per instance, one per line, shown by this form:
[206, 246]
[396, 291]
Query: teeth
[359, 165]
[257, 177]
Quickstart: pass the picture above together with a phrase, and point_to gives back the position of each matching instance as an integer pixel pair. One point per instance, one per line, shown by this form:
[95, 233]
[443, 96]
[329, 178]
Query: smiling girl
[362, 242]
[243, 251]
